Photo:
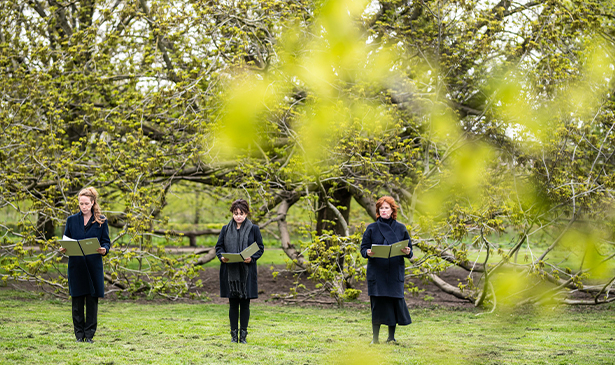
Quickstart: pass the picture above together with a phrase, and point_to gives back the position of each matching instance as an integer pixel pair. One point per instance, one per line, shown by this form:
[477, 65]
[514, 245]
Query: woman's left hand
[101, 250]
[248, 260]
[406, 250]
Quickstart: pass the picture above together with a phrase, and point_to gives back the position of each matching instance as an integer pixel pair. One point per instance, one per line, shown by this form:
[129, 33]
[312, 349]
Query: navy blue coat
[385, 277]
[85, 274]
[252, 284]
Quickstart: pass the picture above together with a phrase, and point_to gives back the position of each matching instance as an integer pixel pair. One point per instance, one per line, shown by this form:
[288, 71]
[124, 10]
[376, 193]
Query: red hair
[391, 203]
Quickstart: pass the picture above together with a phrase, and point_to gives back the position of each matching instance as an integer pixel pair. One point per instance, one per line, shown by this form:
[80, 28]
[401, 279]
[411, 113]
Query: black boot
[234, 335]
[242, 335]
[391, 338]
[376, 332]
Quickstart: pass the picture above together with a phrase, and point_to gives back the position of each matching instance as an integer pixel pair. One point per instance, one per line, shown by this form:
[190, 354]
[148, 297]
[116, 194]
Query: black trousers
[85, 325]
[236, 313]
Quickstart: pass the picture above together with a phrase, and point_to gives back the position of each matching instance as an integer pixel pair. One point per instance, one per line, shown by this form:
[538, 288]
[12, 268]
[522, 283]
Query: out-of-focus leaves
[248, 102]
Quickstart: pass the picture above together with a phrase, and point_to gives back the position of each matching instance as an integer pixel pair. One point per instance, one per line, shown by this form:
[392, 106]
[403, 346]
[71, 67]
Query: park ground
[37, 329]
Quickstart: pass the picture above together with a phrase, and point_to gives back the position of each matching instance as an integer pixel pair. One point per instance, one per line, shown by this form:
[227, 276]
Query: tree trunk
[197, 210]
[327, 219]
[288, 248]
[192, 240]
[45, 227]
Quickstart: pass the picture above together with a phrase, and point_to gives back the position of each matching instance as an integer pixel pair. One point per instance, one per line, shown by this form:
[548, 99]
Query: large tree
[479, 118]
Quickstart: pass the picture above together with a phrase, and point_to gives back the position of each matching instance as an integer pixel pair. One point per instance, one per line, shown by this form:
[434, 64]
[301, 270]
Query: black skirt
[389, 311]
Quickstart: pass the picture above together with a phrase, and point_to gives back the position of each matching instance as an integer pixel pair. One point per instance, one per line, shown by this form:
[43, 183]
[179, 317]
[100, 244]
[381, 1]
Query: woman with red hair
[385, 277]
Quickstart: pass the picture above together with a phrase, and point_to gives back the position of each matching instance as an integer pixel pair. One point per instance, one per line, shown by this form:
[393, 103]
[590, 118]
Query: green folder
[388, 251]
[87, 246]
[240, 257]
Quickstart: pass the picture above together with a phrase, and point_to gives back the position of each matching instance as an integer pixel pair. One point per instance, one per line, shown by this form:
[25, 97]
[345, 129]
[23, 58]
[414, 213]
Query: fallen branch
[448, 288]
[110, 280]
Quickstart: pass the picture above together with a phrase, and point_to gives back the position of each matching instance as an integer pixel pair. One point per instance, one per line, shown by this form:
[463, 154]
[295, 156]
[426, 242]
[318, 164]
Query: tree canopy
[480, 118]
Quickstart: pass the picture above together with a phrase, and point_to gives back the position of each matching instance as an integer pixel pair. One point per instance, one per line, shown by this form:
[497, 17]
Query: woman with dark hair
[86, 281]
[238, 281]
[385, 277]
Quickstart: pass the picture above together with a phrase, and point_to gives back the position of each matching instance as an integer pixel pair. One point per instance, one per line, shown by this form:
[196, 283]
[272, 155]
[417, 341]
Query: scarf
[384, 225]
[235, 241]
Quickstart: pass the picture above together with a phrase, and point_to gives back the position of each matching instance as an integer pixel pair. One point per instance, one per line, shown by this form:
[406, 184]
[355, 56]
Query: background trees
[490, 123]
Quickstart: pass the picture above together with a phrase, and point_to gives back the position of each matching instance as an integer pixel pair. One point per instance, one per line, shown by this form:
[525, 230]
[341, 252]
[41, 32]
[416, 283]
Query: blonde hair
[93, 195]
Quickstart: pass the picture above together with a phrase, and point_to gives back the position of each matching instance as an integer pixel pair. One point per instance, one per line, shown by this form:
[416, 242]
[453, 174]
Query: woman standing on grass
[385, 277]
[86, 281]
[238, 281]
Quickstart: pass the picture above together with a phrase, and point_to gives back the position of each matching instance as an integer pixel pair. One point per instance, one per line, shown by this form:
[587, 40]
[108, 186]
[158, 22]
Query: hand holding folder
[240, 257]
[388, 251]
[84, 247]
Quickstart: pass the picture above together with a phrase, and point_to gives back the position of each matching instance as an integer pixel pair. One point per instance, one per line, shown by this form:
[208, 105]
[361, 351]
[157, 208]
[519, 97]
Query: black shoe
[88, 340]
[242, 335]
[79, 340]
[234, 336]
[392, 341]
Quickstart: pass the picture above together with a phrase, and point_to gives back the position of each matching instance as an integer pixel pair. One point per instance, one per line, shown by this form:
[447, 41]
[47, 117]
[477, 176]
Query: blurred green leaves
[587, 252]
[358, 354]
[249, 100]
[533, 116]
[332, 61]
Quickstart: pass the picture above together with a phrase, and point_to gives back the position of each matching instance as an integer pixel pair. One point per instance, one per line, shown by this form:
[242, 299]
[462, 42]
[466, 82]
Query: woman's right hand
[369, 252]
[224, 259]
[62, 250]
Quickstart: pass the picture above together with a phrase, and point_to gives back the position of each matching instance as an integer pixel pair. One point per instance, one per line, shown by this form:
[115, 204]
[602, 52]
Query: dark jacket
[252, 285]
[385, 277]
[85, 274]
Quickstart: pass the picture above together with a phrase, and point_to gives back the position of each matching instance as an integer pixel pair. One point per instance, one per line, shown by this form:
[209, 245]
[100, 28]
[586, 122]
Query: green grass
[271, 256]
[35, 331]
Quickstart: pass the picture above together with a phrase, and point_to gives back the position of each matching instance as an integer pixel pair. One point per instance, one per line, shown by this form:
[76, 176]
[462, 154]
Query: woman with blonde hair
[385, 277]
[85, 273]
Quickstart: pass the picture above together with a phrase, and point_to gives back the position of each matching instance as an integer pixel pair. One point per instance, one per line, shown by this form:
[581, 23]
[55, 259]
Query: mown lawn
[39, 331]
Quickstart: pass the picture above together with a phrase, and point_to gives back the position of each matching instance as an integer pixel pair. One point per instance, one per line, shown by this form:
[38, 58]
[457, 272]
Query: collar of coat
[387, 231]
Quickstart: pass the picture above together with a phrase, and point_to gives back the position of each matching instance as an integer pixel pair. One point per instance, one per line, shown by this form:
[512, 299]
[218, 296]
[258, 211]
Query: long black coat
[252, 284]
[85, 274]
[385, 277]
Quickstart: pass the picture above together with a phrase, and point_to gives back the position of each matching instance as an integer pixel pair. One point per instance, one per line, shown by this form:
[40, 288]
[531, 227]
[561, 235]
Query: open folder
[239, 257]
[86, 246]
[388, 251]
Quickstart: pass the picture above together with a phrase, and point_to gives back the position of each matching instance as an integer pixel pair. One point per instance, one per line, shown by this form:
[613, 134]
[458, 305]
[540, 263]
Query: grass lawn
[271, 256]
[38, 331]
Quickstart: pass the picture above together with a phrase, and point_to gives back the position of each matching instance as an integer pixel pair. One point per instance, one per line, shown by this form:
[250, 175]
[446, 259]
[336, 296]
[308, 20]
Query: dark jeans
[85, 325]
[234, 312]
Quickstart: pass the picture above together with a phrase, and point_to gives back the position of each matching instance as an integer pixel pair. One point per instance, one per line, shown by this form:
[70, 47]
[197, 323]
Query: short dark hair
[240, 205]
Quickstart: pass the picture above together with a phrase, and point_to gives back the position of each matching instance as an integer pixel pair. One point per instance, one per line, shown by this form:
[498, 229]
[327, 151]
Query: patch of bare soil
[269, 287]
[430, 295]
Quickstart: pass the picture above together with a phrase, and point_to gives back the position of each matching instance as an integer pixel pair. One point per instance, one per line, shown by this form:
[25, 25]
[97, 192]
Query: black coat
[252, 284]
[385, 277]
[85, 274]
